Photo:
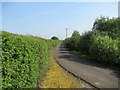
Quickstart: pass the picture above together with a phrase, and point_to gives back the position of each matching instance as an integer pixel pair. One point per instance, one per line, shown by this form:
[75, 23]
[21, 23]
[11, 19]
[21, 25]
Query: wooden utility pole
[119, 9]
[66, 32]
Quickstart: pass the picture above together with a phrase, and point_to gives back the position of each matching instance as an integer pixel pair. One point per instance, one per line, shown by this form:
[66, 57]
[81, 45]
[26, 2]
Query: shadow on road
[66, 54]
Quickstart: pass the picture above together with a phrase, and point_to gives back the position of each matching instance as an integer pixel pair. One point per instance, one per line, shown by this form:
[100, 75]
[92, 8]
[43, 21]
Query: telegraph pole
[66, 32]
[119, 9]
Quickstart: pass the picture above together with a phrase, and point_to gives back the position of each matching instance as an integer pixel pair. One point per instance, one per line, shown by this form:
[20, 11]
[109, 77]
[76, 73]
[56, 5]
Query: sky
[47, 19]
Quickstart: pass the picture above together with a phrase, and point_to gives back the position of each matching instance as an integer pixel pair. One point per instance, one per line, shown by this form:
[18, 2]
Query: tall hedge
[24, 59]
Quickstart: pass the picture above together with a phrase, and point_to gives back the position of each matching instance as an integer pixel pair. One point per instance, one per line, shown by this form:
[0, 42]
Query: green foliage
[85, 42]
[73, 42]
[75, 34]
[102, 43]
[54, 38]
[24, 59]
[111, 26]
[104, 49]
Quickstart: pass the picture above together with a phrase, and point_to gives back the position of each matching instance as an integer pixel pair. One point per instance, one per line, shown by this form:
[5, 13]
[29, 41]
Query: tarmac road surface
[94, 73]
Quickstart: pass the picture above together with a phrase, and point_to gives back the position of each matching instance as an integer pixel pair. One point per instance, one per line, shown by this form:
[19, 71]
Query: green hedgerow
[24, 59]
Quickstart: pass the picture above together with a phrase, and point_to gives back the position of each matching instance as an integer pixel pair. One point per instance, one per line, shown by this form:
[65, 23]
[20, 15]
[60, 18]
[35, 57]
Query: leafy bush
[24, 59]
[67, 42]
[104, 49]
[73, 42]
[85, 40]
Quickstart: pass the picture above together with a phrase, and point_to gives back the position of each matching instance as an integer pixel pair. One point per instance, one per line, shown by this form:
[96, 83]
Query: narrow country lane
[92, 72]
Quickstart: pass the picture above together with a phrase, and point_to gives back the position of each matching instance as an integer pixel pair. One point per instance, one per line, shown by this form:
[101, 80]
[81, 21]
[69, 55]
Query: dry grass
[57, 77]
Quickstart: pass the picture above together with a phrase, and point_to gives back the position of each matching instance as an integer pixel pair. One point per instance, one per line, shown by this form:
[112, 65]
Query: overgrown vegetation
[102, 43]
[24, 59]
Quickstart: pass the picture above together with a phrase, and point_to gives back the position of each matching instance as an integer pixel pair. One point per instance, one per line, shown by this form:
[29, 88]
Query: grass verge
[57, 77]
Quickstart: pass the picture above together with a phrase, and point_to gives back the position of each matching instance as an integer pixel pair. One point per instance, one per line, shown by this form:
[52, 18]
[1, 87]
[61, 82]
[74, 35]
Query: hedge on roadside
[73, 42]
[102, 43]
[105, 49]
[24, 59]
[85, 40]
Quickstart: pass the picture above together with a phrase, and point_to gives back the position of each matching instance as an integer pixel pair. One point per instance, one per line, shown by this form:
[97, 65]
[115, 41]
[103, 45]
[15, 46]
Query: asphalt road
[92, 72]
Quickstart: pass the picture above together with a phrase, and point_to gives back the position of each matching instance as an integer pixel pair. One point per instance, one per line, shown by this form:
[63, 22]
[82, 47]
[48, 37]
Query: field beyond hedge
[24, 59]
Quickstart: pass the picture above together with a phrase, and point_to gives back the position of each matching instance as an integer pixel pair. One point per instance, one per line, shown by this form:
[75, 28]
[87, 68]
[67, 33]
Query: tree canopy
[75, 33]
[111, 26]
[55, 38]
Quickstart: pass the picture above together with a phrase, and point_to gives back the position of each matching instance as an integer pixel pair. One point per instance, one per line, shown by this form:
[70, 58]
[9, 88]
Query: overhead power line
[103, 9]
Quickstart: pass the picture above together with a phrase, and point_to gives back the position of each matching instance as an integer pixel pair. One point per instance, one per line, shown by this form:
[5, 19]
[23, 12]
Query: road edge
[71, 72]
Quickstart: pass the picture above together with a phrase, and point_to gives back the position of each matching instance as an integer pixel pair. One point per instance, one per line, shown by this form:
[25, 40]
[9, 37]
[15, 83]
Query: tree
[75, 33]
[54, 38]
[111, 26]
